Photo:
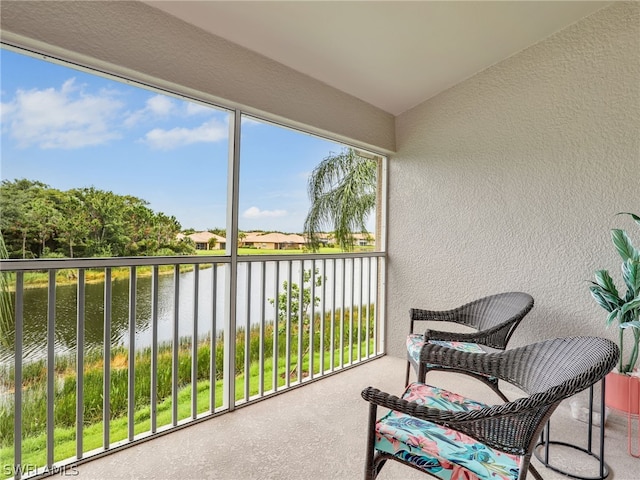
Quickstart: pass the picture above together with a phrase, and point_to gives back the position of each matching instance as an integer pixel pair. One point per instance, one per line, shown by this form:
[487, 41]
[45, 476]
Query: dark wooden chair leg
[406, 377]
[370, 468]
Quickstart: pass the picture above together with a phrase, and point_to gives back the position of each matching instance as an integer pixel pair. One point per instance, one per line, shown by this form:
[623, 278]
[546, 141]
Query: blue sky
[70, 129]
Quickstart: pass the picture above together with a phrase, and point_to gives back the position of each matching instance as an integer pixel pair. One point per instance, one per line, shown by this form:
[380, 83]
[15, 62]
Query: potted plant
[624, 310]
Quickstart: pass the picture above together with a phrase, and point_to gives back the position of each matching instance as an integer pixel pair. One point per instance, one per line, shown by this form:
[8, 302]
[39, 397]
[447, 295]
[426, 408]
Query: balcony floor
[318, 432]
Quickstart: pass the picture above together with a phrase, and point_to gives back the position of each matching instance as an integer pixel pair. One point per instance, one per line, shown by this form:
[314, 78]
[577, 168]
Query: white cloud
[61, 118]
[6, 110]
[162, 107]
[69, 117]
[211, 131]
[158, 106]
[197, 109]
[255, 212]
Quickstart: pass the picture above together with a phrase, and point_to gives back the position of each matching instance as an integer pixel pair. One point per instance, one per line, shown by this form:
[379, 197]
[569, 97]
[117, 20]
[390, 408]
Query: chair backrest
[489, 312]
[558, 368]
[548, 371]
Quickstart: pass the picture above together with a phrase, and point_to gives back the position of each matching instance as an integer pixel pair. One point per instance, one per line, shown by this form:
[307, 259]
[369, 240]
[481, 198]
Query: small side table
[545, 442]
[626, 409]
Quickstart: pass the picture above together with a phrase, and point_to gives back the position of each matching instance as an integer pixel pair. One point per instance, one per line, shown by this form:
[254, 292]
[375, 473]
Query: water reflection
[66, 314]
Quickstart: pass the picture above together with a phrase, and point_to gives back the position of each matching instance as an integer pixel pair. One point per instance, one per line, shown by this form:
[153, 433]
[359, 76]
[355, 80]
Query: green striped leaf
[604, 298]
[631, 275]
[623, 244]
[630, 306]
[612, 316]
[606, 282]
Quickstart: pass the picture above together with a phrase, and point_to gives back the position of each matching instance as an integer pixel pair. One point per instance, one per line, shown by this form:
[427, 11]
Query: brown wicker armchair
[444, 434]
[494, 318]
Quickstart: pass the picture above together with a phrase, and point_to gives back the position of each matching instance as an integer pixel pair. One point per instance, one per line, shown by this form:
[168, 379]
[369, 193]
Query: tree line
[38, 221]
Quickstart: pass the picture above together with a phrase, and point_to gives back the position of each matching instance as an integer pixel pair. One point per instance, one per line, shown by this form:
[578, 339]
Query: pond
[250, 298]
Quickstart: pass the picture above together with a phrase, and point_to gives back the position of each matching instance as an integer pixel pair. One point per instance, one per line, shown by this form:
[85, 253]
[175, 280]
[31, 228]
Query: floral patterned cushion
[415, 342]
[438, 450]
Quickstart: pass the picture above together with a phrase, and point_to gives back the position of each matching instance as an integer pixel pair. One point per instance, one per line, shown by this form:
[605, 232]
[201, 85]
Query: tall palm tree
[342, 190]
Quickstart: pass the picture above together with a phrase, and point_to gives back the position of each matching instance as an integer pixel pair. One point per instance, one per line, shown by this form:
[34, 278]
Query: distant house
[274, 241]
[325, 238]
[359, 239]
[363, 239]
[203, 240]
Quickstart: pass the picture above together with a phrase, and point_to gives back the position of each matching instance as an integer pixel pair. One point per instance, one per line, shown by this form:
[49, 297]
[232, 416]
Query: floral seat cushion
[415, 342]
[438, 450]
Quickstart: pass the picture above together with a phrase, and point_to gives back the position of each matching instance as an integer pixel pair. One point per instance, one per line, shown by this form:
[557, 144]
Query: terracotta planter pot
[623, 393]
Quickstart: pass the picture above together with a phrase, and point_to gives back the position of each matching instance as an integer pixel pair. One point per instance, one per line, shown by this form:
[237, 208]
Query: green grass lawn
[34, 449]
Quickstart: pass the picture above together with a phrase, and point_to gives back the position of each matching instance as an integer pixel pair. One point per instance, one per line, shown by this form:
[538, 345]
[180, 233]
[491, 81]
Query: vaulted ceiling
[391, 54]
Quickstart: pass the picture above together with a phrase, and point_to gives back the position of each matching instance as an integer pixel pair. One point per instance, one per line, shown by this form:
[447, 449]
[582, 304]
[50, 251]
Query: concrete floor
[317, 432]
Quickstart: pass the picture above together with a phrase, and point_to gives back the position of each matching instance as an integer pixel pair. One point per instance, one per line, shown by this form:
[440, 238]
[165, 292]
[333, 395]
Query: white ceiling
[391, 54]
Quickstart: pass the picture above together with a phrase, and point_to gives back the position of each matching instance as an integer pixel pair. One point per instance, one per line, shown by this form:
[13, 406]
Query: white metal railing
[165, 345]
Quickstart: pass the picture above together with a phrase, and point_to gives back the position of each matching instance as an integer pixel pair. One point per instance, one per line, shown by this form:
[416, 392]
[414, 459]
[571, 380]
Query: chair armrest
[484, 363]
[491, 337]
[435, 415]
[419, 314]
[444, 336]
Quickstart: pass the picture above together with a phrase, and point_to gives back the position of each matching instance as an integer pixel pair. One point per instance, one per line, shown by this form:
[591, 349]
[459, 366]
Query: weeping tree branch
[342, 191]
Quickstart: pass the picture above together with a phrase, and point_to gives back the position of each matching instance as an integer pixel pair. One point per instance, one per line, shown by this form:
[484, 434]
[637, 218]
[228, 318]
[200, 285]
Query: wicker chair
[494, 318]
[444, 434]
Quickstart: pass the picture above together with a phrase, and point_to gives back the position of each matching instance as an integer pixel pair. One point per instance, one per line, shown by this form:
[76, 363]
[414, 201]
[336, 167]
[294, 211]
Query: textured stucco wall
[511, 180]
[136, 40]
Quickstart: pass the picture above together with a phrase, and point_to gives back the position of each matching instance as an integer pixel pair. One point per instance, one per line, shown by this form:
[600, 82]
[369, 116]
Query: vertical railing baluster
[376, 307]
[261, 379]
[276, 326]
[153, 390]
[288, 329]
[360, 309]
[176, 345]
[132, 353]
[332, 326]
[106, 386]
[352, 279]
[313, 315]
[214, 344]
[51, 358]
[368, 305]
[342, 313]
[80, 366]
[247, 327]
[301, 313]
[323, 314]
[194, 344]
[17, 417]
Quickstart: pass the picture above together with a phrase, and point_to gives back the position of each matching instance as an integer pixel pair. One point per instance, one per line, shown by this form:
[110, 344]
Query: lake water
[250, 299]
